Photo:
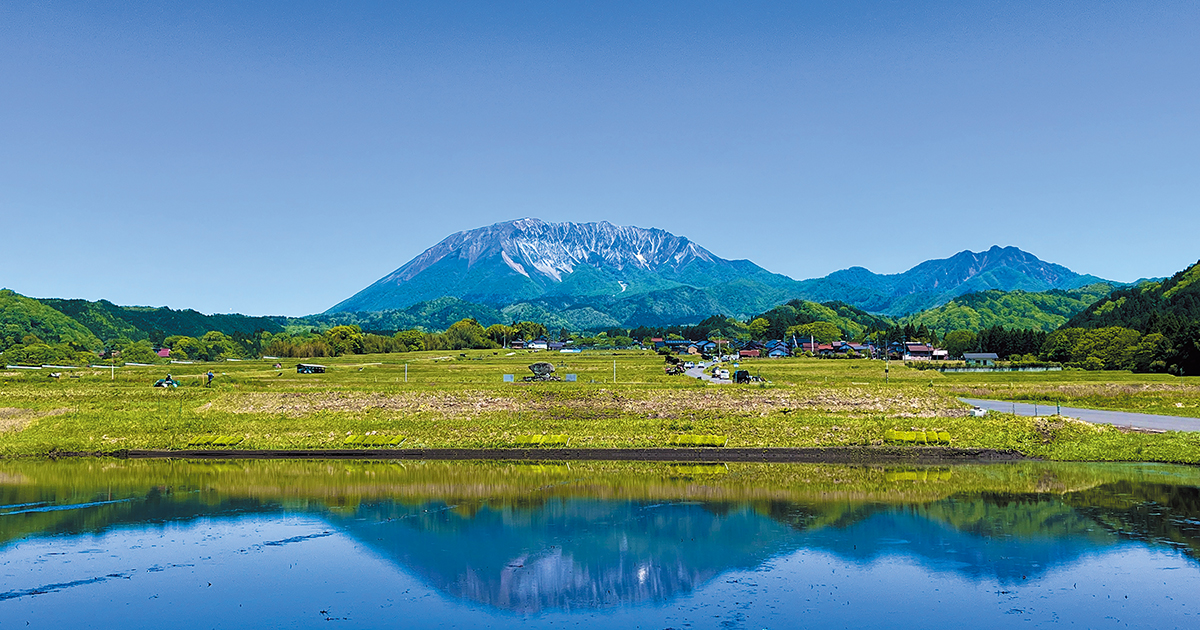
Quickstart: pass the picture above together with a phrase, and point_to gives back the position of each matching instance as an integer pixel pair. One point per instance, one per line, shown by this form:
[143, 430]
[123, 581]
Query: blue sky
[275, 158]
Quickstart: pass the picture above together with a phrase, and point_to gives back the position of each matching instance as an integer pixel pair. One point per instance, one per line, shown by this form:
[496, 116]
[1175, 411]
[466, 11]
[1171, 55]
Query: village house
[918, 352]
[749, 354]
[779, 352]
[861, 348]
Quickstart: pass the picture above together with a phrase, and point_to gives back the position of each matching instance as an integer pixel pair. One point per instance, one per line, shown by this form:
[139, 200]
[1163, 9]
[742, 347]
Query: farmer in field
[210, 377]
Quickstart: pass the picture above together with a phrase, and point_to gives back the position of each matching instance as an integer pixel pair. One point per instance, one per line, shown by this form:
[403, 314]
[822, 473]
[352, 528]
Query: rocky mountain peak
[532, 247]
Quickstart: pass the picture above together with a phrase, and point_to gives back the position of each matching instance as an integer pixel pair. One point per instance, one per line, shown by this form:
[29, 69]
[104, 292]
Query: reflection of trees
[151, 508]
[1157, 514]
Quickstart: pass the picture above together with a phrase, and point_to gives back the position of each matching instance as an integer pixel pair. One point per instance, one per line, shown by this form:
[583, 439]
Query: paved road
[1119, 418]
[698, 372]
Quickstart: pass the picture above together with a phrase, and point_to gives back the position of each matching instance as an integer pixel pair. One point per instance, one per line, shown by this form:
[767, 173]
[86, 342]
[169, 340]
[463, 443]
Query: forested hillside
[1169, 307]
[1164, 316]
[26, 320]
[29, 328]
[53, 331]
[1046, 311]
[109, 321]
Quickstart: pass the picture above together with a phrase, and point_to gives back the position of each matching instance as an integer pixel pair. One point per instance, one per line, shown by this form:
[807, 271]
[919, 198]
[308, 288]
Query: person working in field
[210, 377]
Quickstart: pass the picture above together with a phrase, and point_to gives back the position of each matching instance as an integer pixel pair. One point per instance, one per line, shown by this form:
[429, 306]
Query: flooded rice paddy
[304, 544]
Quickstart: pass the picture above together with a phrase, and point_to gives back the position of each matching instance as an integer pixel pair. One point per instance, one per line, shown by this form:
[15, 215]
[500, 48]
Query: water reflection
[530, 539]
[570, 553]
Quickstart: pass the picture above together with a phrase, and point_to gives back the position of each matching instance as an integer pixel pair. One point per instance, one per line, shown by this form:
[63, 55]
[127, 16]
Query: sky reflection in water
[304, 544]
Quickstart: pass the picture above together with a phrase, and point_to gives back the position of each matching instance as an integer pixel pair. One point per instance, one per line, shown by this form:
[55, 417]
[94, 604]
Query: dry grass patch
[655, 404]
[16, 418]
[296, 405]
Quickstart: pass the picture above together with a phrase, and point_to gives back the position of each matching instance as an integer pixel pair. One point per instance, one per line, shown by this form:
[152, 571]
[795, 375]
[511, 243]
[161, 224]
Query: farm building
[980, 358]
[309, 368]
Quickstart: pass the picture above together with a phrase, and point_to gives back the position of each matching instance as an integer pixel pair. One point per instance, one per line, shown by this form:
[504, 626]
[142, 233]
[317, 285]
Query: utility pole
[614, 371]
[887, 361]
[405, 372]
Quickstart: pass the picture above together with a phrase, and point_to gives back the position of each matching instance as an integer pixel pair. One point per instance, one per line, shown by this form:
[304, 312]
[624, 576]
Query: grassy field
[458, 399]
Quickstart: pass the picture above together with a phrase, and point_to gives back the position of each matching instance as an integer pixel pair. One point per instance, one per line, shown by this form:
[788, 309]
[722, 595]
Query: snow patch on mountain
[554, 250]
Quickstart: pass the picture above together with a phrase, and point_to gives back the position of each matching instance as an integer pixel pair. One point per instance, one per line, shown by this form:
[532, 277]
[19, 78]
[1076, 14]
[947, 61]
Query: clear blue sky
[275, 158]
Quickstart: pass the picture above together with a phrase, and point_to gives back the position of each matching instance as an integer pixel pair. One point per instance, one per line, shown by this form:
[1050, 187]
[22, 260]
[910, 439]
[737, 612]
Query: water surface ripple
[179, 544]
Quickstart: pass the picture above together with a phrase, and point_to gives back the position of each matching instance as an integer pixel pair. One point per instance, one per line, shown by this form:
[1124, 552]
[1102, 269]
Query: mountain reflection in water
[530, 539]
[572, 553]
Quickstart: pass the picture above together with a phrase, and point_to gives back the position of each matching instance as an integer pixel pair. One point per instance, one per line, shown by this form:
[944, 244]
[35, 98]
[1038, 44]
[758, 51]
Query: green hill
[108, 321]
[1042, 311]
[433, 315]
[851, 321]
[22, 318]
[1167, 307]
[1167, 313]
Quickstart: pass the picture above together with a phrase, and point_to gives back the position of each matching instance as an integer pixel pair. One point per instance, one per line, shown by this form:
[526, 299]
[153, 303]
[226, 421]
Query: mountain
[593, 275]
[529, 259]
[936, 282]
[1045, 311]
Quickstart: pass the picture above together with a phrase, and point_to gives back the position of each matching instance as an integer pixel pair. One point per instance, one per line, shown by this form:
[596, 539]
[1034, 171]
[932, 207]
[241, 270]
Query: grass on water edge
[458, 399]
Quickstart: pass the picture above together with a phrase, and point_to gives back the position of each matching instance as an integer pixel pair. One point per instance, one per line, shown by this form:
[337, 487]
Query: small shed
[309, 368]
[980, 358]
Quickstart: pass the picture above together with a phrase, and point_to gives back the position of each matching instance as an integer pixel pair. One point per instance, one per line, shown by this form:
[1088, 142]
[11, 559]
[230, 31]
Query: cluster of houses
[779, 348]
[540, 343]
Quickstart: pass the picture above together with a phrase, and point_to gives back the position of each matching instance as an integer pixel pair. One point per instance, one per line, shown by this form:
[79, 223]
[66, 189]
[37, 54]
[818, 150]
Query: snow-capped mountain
[529, 258]
[622, 275]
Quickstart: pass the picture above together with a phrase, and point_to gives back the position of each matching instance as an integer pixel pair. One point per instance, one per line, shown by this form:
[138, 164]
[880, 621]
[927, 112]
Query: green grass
[458, 399]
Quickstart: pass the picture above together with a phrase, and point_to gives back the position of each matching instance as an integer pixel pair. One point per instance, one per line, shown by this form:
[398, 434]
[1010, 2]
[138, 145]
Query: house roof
[980, 355]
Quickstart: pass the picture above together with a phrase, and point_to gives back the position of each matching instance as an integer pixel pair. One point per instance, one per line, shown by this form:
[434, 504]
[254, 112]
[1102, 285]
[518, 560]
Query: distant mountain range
[591, 275]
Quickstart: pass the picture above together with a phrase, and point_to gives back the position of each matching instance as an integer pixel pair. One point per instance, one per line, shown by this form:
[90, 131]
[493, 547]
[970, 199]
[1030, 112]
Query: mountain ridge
[628, 272]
